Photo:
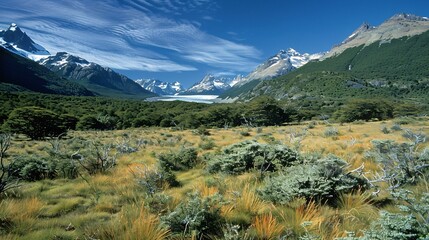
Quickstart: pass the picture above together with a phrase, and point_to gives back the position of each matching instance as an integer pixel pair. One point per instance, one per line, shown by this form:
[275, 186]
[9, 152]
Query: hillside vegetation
[392, 70]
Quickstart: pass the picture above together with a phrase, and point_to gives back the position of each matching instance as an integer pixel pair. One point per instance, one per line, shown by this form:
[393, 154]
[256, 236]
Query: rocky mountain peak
[18, 42]
[407, 17]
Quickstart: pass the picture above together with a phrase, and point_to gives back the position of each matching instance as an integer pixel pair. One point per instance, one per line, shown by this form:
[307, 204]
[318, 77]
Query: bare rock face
[400, 25]
[280, 64]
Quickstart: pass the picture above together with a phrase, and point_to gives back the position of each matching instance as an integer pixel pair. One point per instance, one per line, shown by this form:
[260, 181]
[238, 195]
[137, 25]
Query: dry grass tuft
[266, 227]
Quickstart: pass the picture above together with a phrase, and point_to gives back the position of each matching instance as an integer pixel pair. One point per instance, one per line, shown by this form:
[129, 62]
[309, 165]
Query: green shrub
[247, 155]
[207, 144]
[32, 168]
[200, 215]
[385, 130]
[185, 159]
[331, 132]
[394, 226]
[153, 181]
[400, 162]
[322, 179]
[396, 127]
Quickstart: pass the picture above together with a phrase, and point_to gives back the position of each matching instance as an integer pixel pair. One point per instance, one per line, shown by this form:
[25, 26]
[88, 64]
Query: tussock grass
[110, 205]
[267, 227]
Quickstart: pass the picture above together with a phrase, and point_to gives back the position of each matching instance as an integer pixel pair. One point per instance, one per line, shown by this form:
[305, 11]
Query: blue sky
[185, 39]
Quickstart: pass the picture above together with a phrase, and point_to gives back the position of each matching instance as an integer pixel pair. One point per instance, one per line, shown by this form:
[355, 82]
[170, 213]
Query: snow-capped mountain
[400, 25]
[278, 65]
[96, 78]
[18, 42]
[239, 78]
[160, 87]
[209, 85]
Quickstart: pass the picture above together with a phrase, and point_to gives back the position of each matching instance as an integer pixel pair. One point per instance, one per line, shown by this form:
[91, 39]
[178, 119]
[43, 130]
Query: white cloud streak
[128, 34]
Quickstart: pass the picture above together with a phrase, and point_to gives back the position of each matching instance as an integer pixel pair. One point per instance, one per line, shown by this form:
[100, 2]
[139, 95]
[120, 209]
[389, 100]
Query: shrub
[322, 179]
[32, 168]
[394, 226]
[154, 180]
[400, 162]
[207, 144]
[385, 130]
[331, 132]
[97, 158]
[247, 155]
[396, 127]
[199, 215]
[185, 159]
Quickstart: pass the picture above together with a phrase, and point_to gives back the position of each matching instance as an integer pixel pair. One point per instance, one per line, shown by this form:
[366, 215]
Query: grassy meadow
[116, 203]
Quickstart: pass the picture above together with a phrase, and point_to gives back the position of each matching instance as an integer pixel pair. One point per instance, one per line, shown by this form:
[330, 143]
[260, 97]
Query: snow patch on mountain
[63, 59]
[282, 63]
[160, 87]
[209, 85]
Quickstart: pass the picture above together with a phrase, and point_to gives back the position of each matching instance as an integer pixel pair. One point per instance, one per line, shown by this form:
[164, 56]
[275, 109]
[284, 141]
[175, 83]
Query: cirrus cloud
[128, 34]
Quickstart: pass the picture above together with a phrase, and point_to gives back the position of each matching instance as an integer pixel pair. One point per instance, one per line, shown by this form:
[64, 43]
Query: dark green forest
[30, 113]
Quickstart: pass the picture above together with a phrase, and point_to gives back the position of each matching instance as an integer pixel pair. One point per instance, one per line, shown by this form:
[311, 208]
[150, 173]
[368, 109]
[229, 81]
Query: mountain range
[386, 60]
[277, 65]
[74, 72]
[100, 80]
[160, 87]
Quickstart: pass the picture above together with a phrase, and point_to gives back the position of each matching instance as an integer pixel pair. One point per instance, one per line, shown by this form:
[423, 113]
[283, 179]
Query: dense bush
[367, 109]
[37, 123]
[32, 168]
[394, 226]
[201, 215]
[322, 179]
[247, 155]
[185, 158]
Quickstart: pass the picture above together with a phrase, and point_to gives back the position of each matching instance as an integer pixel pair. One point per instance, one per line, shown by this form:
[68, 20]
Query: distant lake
[186, 98]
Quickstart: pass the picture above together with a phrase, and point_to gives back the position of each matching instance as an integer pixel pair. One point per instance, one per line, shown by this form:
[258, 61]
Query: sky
[183, 40]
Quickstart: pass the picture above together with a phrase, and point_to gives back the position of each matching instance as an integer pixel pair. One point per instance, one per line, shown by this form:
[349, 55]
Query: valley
[161, 120]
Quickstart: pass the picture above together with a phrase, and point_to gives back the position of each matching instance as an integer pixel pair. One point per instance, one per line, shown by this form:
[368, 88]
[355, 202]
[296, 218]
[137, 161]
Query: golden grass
[267, 227]
[41, 210]
[357, 206]
[21, 213]
[146, 227]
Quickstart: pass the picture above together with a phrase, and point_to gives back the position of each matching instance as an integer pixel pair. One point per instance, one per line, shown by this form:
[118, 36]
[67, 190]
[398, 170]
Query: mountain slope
[396, 69]
[18, 42]
[278, 65]
[101, 80]
[209, 85]
[160, 87]
[20, 74]
[398, 26]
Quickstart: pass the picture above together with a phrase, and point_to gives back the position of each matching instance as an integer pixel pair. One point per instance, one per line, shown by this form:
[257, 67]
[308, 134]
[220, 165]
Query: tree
[365, 109]
[37, 123]
[264, 111]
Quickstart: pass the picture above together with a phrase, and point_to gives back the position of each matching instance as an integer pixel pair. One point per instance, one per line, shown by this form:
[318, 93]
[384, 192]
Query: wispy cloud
[127, 34]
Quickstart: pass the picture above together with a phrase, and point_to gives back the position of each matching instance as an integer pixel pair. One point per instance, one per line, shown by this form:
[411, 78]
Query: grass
[267, 227]
[111, 205]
